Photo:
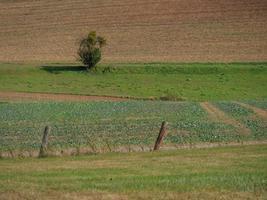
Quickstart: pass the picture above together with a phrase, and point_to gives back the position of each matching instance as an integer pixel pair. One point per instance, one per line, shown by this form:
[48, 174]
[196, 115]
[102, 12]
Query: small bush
[90, 50]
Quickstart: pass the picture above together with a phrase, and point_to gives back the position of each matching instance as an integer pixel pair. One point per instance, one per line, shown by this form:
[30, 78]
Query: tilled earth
[140, 30]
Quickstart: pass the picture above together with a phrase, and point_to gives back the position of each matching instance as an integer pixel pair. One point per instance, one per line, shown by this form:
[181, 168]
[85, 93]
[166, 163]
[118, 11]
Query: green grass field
[191, 82]
[224, 173]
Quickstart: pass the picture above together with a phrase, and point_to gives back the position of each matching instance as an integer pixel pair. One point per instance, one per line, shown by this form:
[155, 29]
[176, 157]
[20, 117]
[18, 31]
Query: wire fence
[137, 135]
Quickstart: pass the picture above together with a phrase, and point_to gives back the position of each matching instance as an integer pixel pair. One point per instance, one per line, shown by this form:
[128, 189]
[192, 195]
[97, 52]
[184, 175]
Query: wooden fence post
[162, 133]
[43, 149]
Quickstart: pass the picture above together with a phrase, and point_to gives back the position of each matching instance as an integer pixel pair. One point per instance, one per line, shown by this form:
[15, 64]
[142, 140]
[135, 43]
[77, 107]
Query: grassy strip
[225, 171]
[194, 82]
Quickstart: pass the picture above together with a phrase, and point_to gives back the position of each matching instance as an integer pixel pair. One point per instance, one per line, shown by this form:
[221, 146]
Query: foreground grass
[196, 82]
[228, 172]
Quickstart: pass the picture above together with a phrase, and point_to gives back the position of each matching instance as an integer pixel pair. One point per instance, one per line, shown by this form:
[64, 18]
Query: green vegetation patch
[259, 104]
[166, 81]
[110, 125]
[247, 117]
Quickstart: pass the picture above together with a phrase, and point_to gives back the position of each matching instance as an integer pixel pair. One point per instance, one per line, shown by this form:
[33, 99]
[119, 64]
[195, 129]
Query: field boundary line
[20, 96]
[122, 149]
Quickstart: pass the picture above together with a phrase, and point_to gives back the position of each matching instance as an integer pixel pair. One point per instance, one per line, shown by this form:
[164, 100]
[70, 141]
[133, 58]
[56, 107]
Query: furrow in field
[218, 115]
[260, 112]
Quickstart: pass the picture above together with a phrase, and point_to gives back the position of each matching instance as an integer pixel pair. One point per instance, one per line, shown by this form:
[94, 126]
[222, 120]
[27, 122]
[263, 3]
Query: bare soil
[140, 30]
[218, 115]
[20, 96]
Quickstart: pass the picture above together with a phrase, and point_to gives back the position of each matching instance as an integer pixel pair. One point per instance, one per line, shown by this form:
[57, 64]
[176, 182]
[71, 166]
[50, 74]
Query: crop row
[118, 124]
[246, 116]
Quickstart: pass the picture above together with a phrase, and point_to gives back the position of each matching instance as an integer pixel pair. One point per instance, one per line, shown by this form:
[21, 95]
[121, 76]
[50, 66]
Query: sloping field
[140, 30]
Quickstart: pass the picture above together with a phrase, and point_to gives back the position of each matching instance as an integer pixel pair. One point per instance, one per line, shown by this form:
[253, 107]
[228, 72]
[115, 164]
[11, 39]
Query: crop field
[258, 104]
[137, 31]
[165, 81]
[124, 126]
[246, 117]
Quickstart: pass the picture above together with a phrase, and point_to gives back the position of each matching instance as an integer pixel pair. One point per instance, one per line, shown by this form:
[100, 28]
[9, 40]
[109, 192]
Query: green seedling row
[115, 124]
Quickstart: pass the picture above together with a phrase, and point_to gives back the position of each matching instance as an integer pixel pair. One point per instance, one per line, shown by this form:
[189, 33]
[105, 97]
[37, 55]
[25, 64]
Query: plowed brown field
[139, 30]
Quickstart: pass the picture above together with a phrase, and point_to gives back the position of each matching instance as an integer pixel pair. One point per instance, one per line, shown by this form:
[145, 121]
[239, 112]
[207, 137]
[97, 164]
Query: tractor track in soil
[258, 111]
[218, 115]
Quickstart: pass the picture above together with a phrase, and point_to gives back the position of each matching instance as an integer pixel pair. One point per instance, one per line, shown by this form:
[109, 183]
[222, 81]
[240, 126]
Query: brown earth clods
[140, 30]
[218, 115]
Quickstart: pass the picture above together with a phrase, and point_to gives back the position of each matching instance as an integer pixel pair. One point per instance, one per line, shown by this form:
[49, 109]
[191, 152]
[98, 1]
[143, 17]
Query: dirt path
[219, 116]
[20, 96]
[260, 112]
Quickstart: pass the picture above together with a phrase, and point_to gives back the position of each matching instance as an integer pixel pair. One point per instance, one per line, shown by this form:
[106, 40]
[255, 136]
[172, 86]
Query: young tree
[90, 50]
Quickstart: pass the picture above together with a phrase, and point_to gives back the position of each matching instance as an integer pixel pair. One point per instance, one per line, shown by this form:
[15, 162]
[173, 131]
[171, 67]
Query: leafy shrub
[90, 50]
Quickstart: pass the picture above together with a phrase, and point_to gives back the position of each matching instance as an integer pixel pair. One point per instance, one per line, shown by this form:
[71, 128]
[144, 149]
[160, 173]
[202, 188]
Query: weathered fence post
[43, 149]
[162, 133]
